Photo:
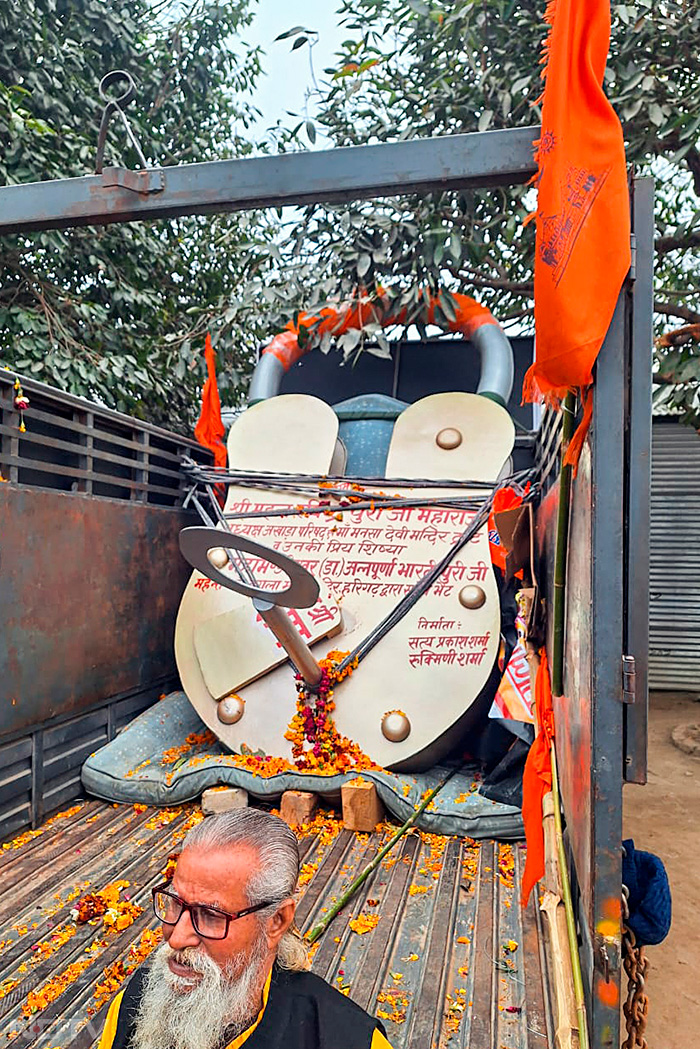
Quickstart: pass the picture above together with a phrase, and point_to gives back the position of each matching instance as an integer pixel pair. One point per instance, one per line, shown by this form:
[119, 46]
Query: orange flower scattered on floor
[6, 986]
[168, 871]
[196, 816]
[397, 1000]
[45, 948]
[116, 913]
[89, 907]
[364, 923]
[115, 974]
[163, 817]
[506, 865]
[454, 1012]
[39, 998]
[30, 835]
[432, 862]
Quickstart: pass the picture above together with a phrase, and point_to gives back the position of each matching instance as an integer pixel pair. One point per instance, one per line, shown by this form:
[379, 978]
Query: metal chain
[636, 1007]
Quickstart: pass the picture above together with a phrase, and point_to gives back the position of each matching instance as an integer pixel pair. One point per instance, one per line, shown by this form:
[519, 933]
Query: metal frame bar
[638, 480]
[418, 166]
[607, 640]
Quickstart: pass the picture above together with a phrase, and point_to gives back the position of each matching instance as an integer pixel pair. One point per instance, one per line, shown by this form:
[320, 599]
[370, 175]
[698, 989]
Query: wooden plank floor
[435, 942]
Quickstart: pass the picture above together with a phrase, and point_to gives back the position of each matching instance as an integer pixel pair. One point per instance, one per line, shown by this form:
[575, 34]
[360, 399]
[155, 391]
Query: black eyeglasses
[209, 922]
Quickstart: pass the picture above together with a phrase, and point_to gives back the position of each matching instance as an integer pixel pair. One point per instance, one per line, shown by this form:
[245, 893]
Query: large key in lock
[197, 543]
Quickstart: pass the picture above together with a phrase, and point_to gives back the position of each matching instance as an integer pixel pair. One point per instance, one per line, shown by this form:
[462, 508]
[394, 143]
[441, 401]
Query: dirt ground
[664, 817]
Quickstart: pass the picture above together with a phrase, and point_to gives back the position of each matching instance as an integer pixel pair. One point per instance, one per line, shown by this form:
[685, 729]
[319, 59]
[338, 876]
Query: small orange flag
[209, 430]
[582, 252]
[537, 780]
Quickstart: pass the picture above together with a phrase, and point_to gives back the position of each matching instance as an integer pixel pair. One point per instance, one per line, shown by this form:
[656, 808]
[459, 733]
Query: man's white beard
[176, 1014]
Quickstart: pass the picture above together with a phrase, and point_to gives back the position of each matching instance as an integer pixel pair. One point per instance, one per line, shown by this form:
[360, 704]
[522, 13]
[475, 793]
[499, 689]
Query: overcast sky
[288, 76]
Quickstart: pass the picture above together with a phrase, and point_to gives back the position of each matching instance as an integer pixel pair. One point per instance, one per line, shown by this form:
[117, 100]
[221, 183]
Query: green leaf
[485, 120]
[292, 32]
[363, 264]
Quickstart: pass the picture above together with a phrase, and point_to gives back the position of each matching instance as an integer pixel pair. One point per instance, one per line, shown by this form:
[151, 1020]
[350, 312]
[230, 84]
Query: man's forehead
[215, 876]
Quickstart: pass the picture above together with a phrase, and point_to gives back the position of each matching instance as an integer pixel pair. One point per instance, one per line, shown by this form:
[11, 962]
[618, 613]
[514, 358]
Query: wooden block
[298, 807]
[223, 799]
[362, 809]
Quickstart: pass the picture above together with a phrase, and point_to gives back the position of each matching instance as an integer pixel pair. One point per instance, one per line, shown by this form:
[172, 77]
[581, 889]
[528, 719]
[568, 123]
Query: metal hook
[113, 78]
[114, 105]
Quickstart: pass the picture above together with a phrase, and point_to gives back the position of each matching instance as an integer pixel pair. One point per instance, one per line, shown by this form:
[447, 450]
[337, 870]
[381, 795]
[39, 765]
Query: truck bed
[435, 942]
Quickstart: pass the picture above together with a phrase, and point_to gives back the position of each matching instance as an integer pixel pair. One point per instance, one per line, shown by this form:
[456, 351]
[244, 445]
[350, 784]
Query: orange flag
[209, 430]
[537, 780]
[582, 250]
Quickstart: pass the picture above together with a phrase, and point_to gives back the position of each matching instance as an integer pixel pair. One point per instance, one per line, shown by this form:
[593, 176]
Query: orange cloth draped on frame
[537, 780]
[209, 430]
[583, 218]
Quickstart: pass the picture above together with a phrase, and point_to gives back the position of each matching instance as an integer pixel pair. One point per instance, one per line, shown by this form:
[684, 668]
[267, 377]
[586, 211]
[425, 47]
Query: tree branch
[664, 244]
[662, 379]
[692, 159]
[516, 287]
[672, 309]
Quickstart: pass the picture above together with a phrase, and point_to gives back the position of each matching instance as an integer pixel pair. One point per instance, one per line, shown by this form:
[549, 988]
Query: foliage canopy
[118, 313]
[432, 67]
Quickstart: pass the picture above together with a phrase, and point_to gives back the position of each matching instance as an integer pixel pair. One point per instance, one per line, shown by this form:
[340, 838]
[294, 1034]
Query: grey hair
[275, 880]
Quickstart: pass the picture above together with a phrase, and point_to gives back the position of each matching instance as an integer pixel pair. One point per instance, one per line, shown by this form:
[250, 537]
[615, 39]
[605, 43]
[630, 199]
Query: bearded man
[232, 970]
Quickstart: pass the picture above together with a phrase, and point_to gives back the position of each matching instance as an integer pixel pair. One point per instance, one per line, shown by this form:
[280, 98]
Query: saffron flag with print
[209, 430]
[582, 251]
[537, 781]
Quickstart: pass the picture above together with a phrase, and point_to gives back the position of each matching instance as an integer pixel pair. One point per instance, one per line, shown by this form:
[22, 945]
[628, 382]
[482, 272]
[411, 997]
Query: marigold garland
[317, 746]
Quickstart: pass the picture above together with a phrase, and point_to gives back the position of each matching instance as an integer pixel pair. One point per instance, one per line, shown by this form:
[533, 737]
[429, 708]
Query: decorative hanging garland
[316, 742]
[21, 403]
[290, 345]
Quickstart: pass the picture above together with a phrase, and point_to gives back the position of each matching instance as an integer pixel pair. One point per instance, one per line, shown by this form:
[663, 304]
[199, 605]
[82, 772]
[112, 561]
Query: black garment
[302, 1012]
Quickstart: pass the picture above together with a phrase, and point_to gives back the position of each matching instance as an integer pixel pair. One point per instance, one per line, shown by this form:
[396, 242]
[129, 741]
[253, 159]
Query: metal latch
[609, 951]
[633, 257]
[142, 180]
[629, 679]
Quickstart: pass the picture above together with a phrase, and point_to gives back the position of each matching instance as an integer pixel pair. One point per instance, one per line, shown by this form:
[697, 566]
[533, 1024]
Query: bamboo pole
[569, 906]
[557, 906]
[318, 930]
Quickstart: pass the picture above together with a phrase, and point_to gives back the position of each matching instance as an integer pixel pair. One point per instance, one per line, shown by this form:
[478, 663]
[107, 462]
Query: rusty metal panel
[90, 590]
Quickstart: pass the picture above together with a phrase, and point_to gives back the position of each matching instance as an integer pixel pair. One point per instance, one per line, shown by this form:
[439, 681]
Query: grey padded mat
[131, 769]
